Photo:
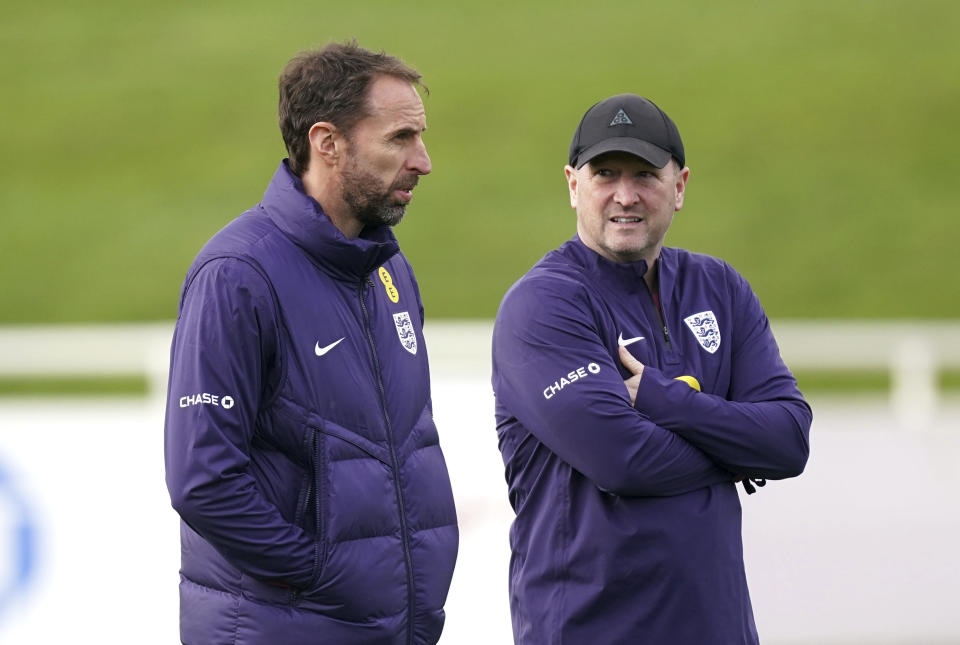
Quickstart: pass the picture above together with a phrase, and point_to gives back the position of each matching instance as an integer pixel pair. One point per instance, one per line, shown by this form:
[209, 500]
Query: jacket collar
[302, 219]
[624, 275]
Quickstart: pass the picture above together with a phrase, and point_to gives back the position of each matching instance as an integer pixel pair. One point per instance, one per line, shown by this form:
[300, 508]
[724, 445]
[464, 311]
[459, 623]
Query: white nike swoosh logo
[623, 342]
[320, 351]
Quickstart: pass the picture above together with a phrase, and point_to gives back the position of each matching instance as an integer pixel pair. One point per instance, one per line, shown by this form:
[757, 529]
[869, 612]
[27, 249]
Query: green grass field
[821, 137]
[848, 382]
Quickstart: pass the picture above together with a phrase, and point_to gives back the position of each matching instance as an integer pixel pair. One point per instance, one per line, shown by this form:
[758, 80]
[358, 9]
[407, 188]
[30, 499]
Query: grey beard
[371, 205]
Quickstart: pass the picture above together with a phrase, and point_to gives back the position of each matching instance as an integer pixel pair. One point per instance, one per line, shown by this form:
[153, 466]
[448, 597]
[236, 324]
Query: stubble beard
[641, 245]
[369, 200]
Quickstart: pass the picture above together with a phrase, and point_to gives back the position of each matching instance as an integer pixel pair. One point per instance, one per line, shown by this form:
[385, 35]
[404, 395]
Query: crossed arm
[762, 433]
[648, 435]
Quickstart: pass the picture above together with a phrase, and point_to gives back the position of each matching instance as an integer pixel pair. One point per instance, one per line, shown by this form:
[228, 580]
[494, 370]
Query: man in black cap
[635, 385]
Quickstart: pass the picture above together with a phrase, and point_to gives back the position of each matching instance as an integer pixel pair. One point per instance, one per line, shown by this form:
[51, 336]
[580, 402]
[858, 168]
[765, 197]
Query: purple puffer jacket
[300, 447]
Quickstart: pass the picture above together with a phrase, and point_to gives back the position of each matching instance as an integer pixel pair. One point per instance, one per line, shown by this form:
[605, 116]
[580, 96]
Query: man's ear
[326, 143]
[682, 176]
[571, 184]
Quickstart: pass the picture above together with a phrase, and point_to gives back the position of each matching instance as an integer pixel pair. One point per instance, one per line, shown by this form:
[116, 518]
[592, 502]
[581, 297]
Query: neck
[326, 191]
[650, 277]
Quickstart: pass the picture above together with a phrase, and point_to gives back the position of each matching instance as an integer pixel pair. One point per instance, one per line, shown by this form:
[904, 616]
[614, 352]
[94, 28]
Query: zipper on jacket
[658, 307]
[311, 497]
[319, 542]
[666, 334]
[663, 318]
[393, 457]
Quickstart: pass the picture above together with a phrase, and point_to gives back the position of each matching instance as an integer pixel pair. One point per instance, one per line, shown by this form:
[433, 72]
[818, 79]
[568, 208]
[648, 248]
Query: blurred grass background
[847, 382]
[821, 138]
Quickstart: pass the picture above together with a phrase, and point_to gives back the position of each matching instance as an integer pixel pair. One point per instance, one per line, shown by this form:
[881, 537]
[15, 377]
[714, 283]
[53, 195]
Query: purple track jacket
[300, 447]
[627, 524]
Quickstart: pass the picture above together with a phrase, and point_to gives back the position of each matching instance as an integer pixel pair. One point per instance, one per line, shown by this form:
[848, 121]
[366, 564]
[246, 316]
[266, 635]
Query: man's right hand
[636, 368]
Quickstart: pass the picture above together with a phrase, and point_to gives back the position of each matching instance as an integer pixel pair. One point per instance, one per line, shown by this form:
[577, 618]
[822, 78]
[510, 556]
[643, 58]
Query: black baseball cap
[626, 123]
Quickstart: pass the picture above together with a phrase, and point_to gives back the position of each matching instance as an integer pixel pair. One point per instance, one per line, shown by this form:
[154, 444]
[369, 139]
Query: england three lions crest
[705, 330]
[408, 337]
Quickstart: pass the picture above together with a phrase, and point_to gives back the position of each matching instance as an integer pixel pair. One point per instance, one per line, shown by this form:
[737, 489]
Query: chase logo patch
[408, 337]
[705, 330]
[387, 281]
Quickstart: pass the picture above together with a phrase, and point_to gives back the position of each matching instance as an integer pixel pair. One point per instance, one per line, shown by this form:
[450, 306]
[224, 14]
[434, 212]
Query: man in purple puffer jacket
[300, 447]
[635, 384]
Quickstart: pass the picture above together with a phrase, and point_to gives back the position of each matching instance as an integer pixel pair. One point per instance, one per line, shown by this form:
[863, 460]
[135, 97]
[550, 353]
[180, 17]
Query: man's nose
[419, 161]
[626, 193]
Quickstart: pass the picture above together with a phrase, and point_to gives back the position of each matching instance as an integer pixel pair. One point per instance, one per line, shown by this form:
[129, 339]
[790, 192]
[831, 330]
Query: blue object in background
[21, 540]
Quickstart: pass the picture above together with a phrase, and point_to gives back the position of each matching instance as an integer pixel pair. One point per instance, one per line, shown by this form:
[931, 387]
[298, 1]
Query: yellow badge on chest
[387, 281]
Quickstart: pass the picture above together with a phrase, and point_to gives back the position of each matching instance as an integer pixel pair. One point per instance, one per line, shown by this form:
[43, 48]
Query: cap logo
[621, 118]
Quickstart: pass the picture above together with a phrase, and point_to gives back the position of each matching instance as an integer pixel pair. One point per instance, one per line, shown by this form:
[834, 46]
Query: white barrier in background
[914, 352]
[87, 350]
[860, 549]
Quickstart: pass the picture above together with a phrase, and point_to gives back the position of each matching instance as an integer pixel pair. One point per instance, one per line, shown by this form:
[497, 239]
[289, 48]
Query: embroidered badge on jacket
[408, 337]
[705, 330]
[388, 285]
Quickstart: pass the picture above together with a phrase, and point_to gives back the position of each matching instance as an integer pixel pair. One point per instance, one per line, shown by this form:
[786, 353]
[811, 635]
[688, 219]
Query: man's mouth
[405, 190]
[626, 220]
